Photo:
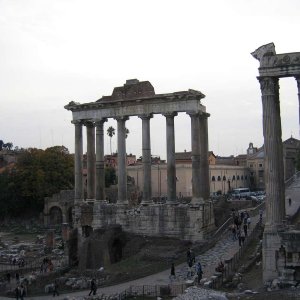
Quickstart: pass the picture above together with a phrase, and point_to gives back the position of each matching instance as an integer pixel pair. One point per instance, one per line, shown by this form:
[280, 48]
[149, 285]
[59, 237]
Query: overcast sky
[56, 51]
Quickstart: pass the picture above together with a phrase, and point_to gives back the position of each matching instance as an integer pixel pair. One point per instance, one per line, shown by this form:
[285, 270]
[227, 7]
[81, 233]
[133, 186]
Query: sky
[56, 51]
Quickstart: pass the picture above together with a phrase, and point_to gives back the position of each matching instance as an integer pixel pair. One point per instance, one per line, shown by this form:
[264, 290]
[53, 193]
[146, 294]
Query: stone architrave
[100, 173]
[275, 205]
[91, 169]
[78, 161]
[122, 174]
[204, 166]
[146, 149]
[171, 162]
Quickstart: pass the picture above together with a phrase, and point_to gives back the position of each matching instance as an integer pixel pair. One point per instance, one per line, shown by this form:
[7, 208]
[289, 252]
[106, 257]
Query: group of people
[20, 292]
[46, 266]
[240, 226]
[20, 262]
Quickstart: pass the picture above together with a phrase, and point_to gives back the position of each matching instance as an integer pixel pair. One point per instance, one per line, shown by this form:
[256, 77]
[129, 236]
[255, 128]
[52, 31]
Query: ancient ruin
[190, 221]
[278, 239]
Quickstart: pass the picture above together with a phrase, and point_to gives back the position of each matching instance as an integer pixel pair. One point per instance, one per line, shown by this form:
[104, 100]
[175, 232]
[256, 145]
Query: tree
[111, 132]
[36, 175]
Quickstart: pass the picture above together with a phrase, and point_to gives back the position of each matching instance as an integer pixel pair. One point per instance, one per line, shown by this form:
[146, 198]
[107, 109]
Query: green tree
[111, 132]
[110, 176]
[37, 174]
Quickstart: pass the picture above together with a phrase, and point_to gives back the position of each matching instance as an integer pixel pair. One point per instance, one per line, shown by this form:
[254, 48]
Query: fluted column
[298, 85]
[274, 180]
[91, 170]
[122, 174]
[204, 167]
[171, 164]
[100, 174]
[78, 161]
[146, 148]
[195, 142]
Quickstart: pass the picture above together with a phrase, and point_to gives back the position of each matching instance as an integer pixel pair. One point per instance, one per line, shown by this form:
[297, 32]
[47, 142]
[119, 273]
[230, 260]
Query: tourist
[188, 255]
[172, 275]
[241, 238]
[8, 277]
[93, 287]
[22, 292]
[233, 231]
[245, 227]
[55, 289]
[17, 292]
[199, 272]
[248, 222]
[220, 268]
[17, 277]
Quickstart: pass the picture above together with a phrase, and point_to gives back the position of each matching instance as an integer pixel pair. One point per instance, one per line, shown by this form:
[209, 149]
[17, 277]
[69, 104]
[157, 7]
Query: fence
[153, 291]
[231, 265]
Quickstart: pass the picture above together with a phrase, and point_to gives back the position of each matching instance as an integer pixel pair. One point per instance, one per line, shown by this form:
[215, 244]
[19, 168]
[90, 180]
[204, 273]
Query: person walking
[17, 292]
[55, 288]
[199, 272]
[172, 275]
[22, 292]
[93, 287]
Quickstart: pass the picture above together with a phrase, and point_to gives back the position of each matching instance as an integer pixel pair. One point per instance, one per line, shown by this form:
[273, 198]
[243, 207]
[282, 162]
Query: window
[260, 165]
[219, 178]
[233, 177]
[242, 177]
[224, 178]
[213, 178]
[238, 177]
[246, 177]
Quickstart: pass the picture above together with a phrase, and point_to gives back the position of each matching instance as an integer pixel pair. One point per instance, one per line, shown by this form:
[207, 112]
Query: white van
[241, 193]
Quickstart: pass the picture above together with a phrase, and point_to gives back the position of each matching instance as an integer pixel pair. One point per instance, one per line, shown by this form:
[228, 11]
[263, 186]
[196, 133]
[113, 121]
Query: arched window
[238, 177]
[213, 178]
[233, 177]
[219, 178]
[242, 177]
[224, 178]
[246, 177]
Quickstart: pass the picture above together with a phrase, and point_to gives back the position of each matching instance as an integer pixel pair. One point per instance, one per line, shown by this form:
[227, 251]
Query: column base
[170, 202]
[146, 202]
[122, 203]
[197, 201]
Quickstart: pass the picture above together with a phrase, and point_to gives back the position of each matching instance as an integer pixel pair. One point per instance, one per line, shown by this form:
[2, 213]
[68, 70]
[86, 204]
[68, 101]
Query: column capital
[100, 122]
[268, 85]
[170, 114]
[146, 116]
[89, 123]
[122, 118]
[198, 114]
[77, 122]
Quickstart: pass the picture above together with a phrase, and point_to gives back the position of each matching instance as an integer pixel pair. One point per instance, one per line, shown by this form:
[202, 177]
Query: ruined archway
[116, 251]
[55, 215]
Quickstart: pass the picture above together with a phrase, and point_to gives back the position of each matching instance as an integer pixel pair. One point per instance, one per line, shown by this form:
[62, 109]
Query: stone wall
[182, 221]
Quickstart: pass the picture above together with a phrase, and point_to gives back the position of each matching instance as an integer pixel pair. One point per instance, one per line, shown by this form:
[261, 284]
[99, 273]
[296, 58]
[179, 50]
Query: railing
[231, 265]
[149, 291]
[292, 179]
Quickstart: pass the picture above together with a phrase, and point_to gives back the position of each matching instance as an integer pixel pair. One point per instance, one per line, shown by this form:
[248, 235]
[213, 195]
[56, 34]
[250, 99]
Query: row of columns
[95, 169]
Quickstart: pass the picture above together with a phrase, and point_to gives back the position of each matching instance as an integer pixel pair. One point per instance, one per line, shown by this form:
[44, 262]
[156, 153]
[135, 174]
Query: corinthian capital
[268, 85]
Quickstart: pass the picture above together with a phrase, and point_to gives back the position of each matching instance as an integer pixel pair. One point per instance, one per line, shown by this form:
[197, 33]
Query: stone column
[204, 167]
[146, 148]
[274, 181]
[298, 85]
[195, 142]
[91, 170]
[171, 164]
[78, 161]
[274, 177]
[100, 173]
[122, 174]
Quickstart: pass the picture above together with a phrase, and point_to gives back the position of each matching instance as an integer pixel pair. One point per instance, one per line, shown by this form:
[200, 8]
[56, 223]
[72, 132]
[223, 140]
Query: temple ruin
[184, 221]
